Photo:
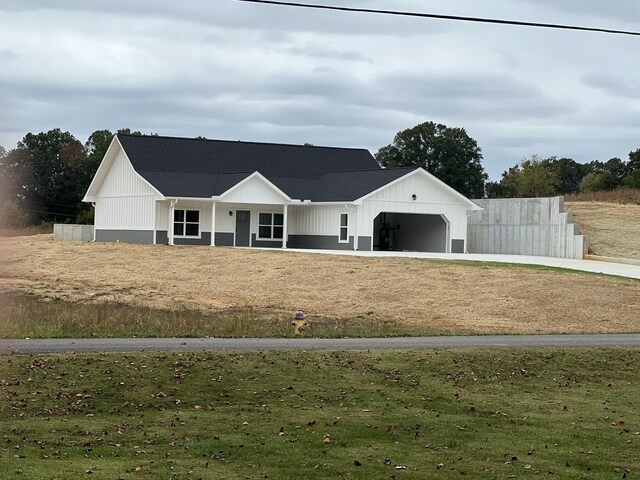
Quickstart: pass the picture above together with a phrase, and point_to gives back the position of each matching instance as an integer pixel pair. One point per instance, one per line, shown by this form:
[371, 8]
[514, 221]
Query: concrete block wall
[72, 233]
[525, 226]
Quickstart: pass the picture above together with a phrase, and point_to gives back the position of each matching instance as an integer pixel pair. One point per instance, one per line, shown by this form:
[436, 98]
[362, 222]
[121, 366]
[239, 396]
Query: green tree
[566, 173]
[532, 177]
[632, 179]
[448, 153]
[47, 164]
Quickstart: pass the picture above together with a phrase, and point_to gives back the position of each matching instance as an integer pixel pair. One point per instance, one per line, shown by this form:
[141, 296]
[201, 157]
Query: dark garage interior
[410, 232]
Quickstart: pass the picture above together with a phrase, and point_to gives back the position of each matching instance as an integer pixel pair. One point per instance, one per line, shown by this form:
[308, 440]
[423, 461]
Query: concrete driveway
[43, 346]
[595, 266]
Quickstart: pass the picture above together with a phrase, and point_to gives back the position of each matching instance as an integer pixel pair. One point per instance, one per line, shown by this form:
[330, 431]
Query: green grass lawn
[308, 415]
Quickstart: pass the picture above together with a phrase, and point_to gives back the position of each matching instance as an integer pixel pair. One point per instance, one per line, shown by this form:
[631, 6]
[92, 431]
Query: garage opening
[410, 232]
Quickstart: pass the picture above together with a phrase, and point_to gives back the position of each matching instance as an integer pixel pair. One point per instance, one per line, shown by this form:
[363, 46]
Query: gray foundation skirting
[224, 239]
[457, 246]
[265, 243]
[127, 236]
[364, 243]
[319, 242]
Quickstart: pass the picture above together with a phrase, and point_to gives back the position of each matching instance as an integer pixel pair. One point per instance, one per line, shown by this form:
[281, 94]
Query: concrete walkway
[56, 345]
[604, 267]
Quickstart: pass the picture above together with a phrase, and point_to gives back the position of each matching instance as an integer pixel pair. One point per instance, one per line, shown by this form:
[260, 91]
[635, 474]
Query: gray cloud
[230, 70]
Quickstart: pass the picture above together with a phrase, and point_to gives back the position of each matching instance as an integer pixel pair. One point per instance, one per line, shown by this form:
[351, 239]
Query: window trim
[345, 227]
[271, 226]
[184, 223]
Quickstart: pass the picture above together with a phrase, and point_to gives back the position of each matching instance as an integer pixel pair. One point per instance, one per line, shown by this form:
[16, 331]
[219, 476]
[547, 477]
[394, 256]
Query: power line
[444, 17]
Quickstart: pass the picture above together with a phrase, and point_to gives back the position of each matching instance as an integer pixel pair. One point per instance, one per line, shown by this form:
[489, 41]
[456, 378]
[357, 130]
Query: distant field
[322, 415]
[613, 228]
[111, 289]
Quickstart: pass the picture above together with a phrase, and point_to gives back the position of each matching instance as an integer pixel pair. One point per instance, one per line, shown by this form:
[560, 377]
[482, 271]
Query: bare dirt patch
[613, 228]
[447, 296]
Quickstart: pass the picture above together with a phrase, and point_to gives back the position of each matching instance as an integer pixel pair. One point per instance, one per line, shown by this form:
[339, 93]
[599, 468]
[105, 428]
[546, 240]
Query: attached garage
[411, 232]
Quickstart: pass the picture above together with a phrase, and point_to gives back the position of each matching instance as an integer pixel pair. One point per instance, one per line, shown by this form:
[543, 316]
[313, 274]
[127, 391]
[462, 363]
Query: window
[186, 223]
[270, 225]
[344, 227]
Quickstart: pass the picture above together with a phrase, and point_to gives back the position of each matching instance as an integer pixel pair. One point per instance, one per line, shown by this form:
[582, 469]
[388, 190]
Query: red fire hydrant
[299, 323]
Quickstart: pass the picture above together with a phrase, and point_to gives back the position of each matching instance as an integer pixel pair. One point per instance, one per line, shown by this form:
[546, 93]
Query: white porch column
[172, 207]
[284, 226]
[213, 224]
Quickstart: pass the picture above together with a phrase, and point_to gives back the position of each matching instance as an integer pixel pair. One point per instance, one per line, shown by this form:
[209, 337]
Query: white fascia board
[265, 180]
[346, 202]
[436, 180]
[106, 162]
[190, 199]
[98, 178]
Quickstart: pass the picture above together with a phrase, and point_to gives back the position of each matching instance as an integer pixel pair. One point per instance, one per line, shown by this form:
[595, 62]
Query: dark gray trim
[364, 243]
[457, 245]
[224, 239]
[205, 239]
[319, 242]
[265, 243]
[162, 237]
[127, 236]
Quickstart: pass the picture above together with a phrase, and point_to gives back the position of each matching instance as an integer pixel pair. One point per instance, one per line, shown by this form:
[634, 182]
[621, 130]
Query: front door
[243, 232]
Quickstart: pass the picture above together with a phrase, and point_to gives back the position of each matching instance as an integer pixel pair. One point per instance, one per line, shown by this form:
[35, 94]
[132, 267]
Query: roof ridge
[381, 169]
[170, 137]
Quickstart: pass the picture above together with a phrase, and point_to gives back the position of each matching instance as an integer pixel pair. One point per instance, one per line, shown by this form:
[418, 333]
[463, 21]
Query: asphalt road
[41, 346]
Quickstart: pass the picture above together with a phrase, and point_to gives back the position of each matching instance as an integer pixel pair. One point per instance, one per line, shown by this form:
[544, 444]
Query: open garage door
[411, 232]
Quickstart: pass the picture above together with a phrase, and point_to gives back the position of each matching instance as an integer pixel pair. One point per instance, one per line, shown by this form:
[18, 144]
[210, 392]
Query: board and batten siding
[254, 191]
[431, 199]
[204, 206]
[318, 219]
[125, 201]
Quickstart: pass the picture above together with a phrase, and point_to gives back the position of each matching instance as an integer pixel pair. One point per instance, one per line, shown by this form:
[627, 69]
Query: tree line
[46, 175]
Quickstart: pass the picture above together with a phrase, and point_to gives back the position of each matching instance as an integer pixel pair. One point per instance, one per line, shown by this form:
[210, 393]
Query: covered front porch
[214, 223]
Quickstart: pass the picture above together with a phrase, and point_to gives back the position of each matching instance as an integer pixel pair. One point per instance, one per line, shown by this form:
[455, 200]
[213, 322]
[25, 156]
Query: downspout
[93, 204]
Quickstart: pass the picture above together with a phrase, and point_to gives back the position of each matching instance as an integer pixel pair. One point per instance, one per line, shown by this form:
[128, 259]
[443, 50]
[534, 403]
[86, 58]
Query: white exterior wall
[125, 201]
[254, 190]
[204, 206]
[431, 199]
[319, 219]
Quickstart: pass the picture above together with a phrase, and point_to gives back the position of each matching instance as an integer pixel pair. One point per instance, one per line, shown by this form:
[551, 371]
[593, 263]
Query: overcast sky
[230, 70]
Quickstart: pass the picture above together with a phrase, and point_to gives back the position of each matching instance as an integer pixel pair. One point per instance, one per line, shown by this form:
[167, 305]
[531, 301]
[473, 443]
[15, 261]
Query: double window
[186, 223]
[344, 227]
[270, 226]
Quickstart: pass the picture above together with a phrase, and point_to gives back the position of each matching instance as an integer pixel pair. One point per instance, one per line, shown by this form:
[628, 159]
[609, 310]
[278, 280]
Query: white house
[151, 189]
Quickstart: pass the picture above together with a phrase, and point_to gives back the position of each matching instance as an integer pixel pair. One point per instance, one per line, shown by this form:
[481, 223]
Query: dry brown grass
[613, 229]
[621, 195]
[444, 296]
[26, 231]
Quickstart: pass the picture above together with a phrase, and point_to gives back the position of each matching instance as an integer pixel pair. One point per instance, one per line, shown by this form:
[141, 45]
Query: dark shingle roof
[185, 167]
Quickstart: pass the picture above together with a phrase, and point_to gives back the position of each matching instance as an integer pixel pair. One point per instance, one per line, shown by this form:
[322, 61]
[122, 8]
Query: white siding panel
[431, 198]
[162, 215]
[123, 180]
[254, 191]
[124, 213]
[204, 207]
[318, 219]
[425, 189]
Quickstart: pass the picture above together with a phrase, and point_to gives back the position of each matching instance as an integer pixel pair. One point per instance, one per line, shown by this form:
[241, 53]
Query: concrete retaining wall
[68, 232]
[525, 226]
